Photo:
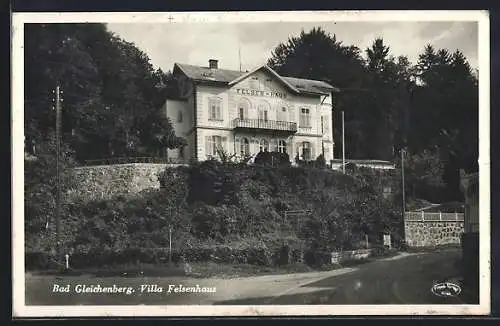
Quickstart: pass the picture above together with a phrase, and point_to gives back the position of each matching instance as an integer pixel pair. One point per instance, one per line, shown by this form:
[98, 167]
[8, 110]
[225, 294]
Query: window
[306, 151]
[215, 108]
[305, 118]
[243, 107]
[244, 147]
[179, 116]
[213, 143]
[181, 152]
[264, 145]
[387, 192]
[282, 114]
[263, 115]
[264, 111]
[282, 146]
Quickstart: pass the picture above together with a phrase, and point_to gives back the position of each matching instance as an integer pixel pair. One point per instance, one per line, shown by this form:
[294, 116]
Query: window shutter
[208, 149]
[313, 151]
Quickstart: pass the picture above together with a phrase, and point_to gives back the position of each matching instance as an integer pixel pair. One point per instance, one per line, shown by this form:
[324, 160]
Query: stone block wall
[433, 233]
[339, 257]
[107, 181]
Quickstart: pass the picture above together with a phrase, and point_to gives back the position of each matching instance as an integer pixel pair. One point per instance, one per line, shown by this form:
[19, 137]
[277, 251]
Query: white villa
[247, 112]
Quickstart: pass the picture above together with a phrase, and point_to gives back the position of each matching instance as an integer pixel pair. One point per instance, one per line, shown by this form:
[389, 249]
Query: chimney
[212, 64]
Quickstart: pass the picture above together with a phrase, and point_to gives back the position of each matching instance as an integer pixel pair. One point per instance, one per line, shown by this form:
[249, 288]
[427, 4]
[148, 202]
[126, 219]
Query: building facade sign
[252, 92]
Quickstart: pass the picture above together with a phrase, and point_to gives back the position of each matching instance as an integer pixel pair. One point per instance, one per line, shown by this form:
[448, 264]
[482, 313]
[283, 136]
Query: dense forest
[112, 95]
[429, 109]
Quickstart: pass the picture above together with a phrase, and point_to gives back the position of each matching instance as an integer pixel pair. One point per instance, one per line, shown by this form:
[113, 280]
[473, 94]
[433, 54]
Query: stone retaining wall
[107, 181]
[339, 257]
[433, 233]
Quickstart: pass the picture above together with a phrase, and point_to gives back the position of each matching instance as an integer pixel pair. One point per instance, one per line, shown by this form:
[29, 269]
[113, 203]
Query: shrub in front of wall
[38, 261]
[106, 257]
[274, 158]
[314, 257]
[261, 256]
[320, 161]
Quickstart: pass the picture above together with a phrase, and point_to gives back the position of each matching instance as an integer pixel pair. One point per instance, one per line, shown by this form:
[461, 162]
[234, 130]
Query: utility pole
[239, 55]
[58, 101]
[322, 138]
[403, 183]
[170, 244]
[343, 144]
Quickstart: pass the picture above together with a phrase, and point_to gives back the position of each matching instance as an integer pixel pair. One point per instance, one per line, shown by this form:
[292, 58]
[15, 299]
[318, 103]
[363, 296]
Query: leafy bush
[212, 206]
[317, 257]
[272, 159]
[38, 261]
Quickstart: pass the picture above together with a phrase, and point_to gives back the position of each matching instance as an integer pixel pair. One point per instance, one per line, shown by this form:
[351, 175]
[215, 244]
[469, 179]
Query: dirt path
[270, 288]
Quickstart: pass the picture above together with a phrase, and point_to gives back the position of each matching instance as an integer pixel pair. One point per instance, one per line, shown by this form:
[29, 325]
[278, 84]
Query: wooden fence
[292, 221]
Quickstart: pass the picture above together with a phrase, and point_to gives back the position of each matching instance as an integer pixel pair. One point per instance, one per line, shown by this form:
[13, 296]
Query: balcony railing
[265, 124]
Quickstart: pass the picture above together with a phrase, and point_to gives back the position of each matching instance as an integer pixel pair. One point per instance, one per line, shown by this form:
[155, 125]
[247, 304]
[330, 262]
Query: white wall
[230, 100]
[326, 112]
[183, 128]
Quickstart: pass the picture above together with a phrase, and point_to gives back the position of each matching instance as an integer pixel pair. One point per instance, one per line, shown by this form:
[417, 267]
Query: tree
[158, 135]
[382, 109]
[40, 182]
[109, 87]
[390, 104]
[424, 175]
[446, 107]
[318, 55]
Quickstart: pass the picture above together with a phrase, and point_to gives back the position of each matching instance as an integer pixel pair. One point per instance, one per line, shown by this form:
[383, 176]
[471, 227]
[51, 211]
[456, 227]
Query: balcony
[269, 125]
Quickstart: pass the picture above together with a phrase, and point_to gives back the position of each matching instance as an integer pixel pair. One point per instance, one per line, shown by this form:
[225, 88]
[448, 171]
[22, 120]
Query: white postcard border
[21, 310]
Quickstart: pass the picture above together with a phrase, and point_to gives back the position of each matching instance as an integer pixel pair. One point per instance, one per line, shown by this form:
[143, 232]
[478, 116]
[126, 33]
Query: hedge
[262, 256]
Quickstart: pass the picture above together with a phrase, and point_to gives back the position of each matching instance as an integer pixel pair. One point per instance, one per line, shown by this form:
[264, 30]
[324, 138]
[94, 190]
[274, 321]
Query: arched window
[244, 147]
[282, 146]
[264, 111]
[264, 145]
[243, 107]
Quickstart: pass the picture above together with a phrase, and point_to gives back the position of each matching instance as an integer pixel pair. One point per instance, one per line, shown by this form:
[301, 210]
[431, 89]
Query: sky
[196, 43]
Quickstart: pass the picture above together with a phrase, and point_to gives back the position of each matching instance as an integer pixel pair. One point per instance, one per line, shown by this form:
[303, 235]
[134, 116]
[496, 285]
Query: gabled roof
[272, 72]
[231, 77]
[311, 86]
[198, 73]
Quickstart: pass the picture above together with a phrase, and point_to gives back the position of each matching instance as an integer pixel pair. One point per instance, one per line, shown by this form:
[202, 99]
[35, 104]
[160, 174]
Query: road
[405, 279]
